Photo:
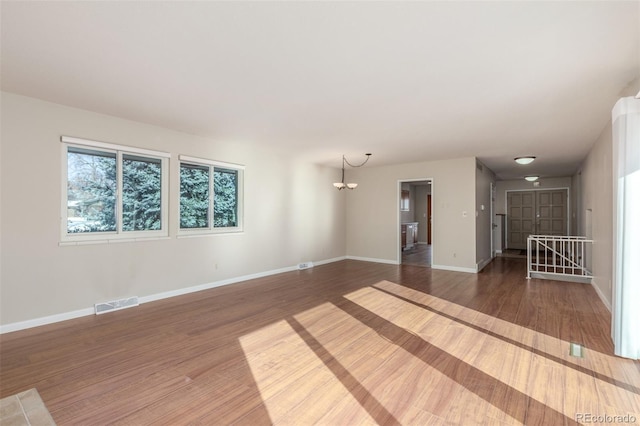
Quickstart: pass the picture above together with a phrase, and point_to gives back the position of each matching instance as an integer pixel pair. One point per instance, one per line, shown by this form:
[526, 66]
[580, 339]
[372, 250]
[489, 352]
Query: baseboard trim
[601, 295]
[374, 260]
[480, 266]
[327, 261]
[454, 268]
[208, 286]
[51, 319]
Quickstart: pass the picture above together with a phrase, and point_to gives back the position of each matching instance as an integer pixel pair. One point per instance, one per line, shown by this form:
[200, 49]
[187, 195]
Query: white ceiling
[407, 81]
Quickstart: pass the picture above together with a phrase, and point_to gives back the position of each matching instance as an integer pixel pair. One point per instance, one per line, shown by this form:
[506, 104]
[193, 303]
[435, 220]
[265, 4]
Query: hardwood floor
[418, 255]
[345, 343]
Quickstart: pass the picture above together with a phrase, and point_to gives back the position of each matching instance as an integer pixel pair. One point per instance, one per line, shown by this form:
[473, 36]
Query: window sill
[196, 234]
[109, 241]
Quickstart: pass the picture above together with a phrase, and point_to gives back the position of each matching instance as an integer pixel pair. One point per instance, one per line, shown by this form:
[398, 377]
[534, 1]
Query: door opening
[415, 222]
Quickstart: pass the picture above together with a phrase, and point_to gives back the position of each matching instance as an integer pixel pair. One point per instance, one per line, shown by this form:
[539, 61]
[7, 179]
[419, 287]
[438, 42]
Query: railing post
[529, 241]
[583, 266]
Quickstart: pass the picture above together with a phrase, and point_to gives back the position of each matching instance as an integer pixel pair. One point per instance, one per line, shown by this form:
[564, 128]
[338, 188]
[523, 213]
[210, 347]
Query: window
[210, 196]
[404, 200]
[113, 192]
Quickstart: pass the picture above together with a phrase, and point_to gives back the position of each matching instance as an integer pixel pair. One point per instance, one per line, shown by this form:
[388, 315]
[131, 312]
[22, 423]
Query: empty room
[319, 213]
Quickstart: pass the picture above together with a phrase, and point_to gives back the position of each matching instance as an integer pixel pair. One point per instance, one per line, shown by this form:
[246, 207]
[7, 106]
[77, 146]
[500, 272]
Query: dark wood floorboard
[346, 343]
[418, 255]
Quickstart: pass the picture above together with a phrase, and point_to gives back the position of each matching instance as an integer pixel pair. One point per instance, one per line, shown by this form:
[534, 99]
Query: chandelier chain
[344, 159]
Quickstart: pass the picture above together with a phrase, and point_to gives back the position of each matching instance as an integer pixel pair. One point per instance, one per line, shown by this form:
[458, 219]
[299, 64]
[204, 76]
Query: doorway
[536, 212]
[494, 225]
[415, 222]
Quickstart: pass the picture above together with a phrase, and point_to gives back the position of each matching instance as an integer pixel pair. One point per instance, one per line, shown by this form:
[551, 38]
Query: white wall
[596, 177]
[292, 214]
[373, 215]
[595, 185]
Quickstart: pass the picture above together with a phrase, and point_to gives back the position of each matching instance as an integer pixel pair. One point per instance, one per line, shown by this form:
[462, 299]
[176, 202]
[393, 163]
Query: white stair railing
[562, 256]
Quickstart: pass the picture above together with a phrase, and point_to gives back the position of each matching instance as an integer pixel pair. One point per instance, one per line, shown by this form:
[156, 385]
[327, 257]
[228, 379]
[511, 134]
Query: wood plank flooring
[418, 255]
[346, 343]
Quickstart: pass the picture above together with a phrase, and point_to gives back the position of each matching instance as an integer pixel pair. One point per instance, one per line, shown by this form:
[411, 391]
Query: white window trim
[116, 236]
[113, 147]
[225, 165]
[211, 230]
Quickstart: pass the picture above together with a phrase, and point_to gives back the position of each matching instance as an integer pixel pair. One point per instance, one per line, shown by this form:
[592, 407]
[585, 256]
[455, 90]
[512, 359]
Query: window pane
[91, 191]
[141, 193]
[194, 196]
[225, 198]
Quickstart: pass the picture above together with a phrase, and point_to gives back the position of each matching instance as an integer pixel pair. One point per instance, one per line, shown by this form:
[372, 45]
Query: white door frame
[492, 208]
[399, 219]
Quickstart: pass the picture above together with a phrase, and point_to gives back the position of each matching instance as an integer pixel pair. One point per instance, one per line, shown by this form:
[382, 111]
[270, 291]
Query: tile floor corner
[25, 408]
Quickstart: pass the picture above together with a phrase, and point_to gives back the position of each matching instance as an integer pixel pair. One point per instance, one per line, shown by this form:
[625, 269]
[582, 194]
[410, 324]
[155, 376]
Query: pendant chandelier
[341, 185]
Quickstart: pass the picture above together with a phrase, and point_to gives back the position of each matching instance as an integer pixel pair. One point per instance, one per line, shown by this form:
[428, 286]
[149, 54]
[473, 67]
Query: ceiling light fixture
[341, 185]
[532, 178]
[524, 160]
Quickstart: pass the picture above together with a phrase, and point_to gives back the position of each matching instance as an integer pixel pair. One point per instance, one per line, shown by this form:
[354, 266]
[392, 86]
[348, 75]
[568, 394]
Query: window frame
[119, 235]
[213, 165]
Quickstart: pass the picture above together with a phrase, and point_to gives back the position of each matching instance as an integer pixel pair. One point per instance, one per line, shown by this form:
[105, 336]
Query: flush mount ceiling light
[524, 160]
[531, 178]
[341, 185]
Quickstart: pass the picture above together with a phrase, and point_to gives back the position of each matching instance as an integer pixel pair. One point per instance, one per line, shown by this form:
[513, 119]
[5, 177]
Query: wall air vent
[116, 305]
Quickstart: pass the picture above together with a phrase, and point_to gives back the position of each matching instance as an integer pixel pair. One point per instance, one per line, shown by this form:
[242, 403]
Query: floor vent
[576, 349]
[305, 265]
[116, 305]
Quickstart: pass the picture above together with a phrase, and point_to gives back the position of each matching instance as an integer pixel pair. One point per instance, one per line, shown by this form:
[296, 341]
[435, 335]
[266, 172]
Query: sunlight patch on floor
[595, 361]
[389, 354]
[528, 372]
[310, 374]
[287, 372]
